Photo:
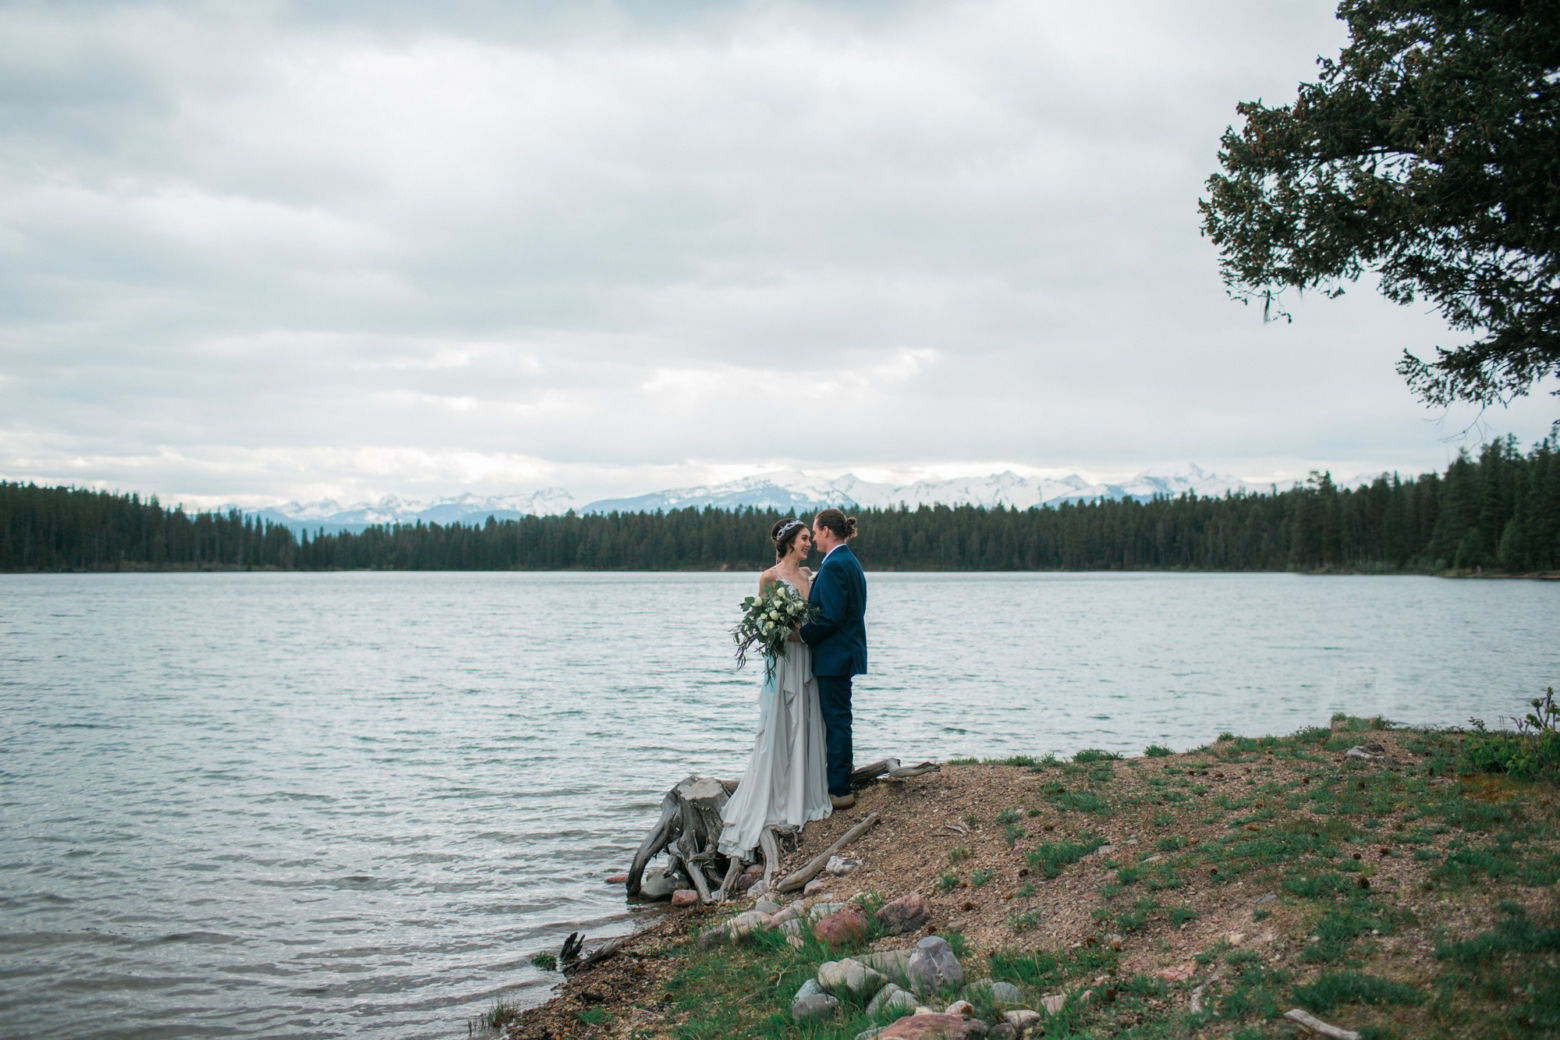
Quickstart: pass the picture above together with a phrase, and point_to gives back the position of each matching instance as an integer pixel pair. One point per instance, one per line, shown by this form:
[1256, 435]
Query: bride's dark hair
[844, 527]
[783, 534]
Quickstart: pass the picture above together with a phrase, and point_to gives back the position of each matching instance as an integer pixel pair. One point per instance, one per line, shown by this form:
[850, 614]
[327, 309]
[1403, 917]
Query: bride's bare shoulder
[767, 579]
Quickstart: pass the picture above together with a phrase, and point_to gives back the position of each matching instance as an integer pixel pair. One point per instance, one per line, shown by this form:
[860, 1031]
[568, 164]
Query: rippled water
[313, 805]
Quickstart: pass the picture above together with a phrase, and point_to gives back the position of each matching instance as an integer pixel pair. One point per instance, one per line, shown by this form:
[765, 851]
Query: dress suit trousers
[834, 699]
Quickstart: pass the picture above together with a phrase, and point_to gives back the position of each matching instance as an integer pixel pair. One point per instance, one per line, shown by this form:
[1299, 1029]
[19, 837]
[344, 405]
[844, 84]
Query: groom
[838, 637]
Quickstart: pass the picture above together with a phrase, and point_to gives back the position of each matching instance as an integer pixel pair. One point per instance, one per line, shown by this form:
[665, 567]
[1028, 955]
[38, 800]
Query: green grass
[1043, 969]
[1051, 858]
[1319, 857]
[1332, 990]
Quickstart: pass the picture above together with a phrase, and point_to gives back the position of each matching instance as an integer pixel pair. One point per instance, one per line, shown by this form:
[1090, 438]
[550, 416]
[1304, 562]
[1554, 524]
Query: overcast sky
[255, 251]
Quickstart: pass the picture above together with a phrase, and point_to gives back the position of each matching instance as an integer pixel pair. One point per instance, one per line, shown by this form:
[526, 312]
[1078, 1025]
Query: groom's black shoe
[842, 801]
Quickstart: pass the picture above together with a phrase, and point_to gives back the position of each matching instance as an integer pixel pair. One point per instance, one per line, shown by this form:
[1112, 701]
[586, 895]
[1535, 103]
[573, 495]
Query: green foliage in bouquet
[768, 620]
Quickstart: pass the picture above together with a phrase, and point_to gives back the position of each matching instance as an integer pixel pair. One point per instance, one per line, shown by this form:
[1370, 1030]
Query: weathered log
[800, 877]
[570, 961]
[689, 832]
[1315, 1026]
[769, 843]
[569, 956]
[659, 837]
[890, 768]
[873, 771]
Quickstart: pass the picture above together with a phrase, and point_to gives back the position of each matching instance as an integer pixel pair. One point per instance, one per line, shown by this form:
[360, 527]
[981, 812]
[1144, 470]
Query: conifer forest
[1496, 512]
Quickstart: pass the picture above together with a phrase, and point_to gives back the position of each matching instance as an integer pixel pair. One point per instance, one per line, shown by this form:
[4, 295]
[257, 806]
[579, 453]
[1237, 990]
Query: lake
[321, 805]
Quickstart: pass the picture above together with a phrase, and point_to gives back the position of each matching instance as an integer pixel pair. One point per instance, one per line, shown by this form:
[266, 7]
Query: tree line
[1499, 511]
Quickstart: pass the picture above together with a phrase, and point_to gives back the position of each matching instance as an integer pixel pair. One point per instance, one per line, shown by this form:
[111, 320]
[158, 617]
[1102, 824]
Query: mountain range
[788, 491]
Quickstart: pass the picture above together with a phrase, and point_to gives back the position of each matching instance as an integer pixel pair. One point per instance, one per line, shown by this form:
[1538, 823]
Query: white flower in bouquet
[767, 623]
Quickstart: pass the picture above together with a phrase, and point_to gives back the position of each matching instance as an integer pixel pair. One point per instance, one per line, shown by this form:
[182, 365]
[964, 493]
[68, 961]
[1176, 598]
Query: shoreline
[223, 568]
[1180, 884]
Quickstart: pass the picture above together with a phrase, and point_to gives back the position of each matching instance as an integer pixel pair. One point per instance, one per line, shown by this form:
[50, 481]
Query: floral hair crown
[786, 529]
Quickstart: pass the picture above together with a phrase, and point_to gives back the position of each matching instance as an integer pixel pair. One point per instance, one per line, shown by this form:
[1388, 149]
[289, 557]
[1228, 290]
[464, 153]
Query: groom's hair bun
[843, 526]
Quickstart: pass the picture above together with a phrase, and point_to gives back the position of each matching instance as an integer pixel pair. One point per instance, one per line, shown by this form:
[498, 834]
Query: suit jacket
[838, 636]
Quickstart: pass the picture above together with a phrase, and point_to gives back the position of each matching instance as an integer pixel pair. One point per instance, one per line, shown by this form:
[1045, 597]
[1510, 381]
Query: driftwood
[1315, 1026]
[798, 878]
[570, 961]
[689, 832]
[690, 824]
[890, 768]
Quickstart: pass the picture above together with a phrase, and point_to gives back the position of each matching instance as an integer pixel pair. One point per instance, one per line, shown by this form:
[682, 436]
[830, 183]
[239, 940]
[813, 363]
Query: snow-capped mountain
[788, 491]
[331, 517]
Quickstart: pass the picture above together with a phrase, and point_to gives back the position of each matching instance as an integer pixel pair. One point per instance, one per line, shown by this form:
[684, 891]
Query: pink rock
[1179, 973]
[617, 879]
[1054, 1003]
[933, 1027]
[908, 913]
[813, 887]
[842, 927]
[685, 897]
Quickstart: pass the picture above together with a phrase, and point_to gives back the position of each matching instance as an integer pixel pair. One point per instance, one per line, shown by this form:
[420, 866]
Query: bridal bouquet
[768, 621]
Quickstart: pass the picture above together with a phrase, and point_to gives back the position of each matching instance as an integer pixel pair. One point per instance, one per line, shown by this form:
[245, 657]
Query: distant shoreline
[190, 568]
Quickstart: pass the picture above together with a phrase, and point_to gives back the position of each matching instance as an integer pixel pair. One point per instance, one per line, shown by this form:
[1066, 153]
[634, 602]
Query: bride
[785, 782]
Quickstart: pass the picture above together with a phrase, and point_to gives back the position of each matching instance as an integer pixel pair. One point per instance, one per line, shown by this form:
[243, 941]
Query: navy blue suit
[838, 637]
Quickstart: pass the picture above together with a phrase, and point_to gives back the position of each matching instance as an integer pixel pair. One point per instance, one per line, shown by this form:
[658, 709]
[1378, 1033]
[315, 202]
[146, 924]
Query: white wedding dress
[785, 783]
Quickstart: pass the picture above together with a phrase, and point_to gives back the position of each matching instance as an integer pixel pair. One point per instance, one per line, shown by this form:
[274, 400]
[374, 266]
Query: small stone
[933, 966]
[891, 998]
[712, 937]
[814, 886]
[1005, 994]
[1178, 973]
[908, 913]
[933, 1026]
[767, 906]
[1054, 1003]
[893, 963]
[1023, 1018]
[811, 1002]
[962, 1008]
[790, 926]
[789, 913]
[818, 911]
[757, 888]
[617, 879]
[657, 884]
[747, 923]
[843, 927]
[1263, 900]
[848, 976]
[839, 865]
[685, 897]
